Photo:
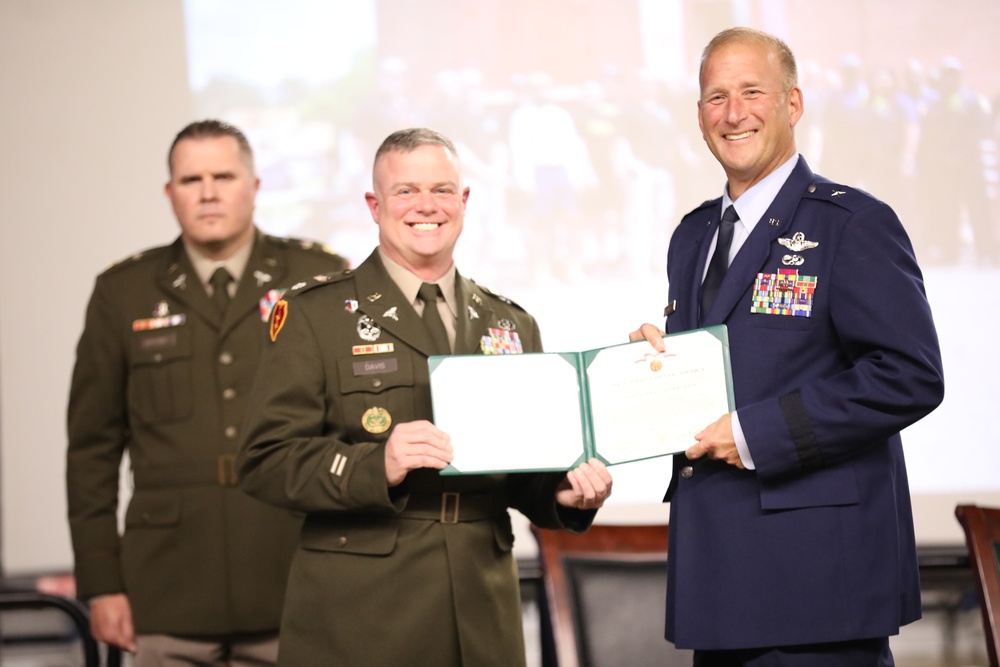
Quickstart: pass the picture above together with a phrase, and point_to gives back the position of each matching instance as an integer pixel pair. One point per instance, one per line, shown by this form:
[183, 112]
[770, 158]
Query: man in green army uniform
[397, 565]
[169, 348]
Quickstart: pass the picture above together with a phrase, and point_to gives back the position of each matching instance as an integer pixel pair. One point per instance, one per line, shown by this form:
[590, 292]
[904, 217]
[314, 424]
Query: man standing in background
[169, 348]
[791, 532]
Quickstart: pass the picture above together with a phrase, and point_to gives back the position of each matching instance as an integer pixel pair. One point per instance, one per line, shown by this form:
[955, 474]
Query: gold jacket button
[231, 432]
[225, 358]
[687, 472]
[229, 393]
[342, 541]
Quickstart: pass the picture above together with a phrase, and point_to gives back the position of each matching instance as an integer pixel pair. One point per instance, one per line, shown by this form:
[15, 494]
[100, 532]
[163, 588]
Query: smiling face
[419, 207]
[212, 189]
[746, 113]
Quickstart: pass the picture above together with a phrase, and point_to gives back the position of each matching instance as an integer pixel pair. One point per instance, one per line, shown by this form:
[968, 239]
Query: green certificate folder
[552, 410]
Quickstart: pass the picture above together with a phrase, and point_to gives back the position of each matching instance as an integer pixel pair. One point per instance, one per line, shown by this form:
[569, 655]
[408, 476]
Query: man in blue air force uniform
[791, 534]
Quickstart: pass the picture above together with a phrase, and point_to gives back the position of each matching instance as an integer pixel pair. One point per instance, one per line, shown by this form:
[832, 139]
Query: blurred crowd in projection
[587, 178]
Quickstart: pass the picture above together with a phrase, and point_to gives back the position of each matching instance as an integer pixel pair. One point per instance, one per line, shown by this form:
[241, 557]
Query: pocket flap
[367, 535]
[153, 509]
[827, 487]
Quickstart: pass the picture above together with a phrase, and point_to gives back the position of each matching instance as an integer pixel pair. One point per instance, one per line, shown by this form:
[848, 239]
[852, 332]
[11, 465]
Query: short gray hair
[731, 35]
[411, 139]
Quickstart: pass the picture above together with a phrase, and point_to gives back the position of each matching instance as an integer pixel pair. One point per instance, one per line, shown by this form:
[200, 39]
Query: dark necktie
[720, 260]
[220, 288]
[429, 293]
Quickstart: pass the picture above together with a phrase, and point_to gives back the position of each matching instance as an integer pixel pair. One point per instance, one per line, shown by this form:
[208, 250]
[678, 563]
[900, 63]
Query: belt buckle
[227, 470]
[452, 515]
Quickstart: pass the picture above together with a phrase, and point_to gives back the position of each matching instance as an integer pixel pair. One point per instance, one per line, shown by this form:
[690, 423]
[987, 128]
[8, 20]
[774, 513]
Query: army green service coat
[160, 374]
[378, 579]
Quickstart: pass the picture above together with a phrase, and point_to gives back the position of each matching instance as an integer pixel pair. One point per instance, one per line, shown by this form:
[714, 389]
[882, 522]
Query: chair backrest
[606, 594]
[982, 535]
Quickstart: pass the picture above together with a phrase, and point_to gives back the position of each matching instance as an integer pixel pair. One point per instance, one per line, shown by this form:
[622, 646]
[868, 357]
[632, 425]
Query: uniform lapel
[474, 317]
[381, 300]
[181, 282]
[265, 270]
[755, 251]
[693, 275]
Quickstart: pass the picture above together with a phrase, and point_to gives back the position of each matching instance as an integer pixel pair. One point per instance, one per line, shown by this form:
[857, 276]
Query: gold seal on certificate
[655, 365]
[376, 420]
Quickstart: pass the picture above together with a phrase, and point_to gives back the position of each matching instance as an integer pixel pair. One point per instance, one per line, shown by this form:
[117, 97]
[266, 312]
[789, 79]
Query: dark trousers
[858, 653]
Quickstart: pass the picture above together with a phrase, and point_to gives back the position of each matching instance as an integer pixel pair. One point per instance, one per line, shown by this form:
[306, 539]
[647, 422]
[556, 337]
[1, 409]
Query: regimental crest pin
[161, 309]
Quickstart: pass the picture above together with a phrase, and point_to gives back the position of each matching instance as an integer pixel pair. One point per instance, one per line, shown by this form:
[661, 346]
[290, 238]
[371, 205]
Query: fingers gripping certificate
[549, 411]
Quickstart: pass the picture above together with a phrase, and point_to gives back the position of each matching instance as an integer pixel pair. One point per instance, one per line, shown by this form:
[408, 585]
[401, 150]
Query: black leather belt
[220, 471]
[452, 507]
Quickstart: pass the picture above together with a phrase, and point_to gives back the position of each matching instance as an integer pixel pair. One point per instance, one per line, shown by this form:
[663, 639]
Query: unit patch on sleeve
[278, 316]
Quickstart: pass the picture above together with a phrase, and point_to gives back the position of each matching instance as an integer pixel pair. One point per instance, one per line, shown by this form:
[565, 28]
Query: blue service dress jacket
[834, 352]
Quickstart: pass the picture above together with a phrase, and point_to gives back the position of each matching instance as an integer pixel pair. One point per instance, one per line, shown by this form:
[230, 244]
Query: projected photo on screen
[576, 125]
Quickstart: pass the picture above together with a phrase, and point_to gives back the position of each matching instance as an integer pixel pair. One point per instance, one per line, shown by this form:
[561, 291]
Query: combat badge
[278, 316]
[376, 420]
[783, 293]
[368, 330]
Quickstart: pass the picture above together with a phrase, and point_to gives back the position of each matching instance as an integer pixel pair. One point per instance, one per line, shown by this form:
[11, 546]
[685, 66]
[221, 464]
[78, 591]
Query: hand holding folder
[550, 411]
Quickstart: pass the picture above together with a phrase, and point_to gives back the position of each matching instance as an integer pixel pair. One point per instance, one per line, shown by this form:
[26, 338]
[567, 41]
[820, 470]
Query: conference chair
[982, 535]
[78, 614]
[605, 593]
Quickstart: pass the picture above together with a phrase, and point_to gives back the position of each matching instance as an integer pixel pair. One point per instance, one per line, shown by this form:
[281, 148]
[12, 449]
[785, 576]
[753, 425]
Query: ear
[372, 202]
[796, 105]
[701, 126]
[465, 196]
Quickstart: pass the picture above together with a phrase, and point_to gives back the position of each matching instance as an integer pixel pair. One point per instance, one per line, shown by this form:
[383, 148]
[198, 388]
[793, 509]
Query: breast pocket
[161, 375]
[376, 393]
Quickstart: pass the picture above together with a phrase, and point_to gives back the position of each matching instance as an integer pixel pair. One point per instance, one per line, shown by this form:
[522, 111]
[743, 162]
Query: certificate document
[549, 411]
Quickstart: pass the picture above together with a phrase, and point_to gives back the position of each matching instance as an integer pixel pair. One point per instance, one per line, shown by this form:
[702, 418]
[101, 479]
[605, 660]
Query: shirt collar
[753, 204]
[409, 284]
[235, 264]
